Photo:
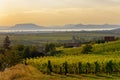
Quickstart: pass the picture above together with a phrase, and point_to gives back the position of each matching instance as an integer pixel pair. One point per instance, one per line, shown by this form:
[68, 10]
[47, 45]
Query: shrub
[80, 71]
[109, 66]
[97, 67]
[65, 66]
[87, 49]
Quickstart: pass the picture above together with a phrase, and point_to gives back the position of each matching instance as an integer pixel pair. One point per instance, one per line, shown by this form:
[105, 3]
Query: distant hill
[26, 27]
[4, 27]
[81, 26]
[31, 26]
[116, 30]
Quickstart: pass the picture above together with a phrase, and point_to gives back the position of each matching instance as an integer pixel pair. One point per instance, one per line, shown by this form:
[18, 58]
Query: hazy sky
[59, 12]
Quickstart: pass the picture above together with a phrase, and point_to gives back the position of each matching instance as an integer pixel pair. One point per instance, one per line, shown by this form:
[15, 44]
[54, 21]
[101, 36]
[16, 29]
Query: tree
[87, 49]
[19, 47]
[6, 43]
[26, 52]
[35, 53]
[50, 47]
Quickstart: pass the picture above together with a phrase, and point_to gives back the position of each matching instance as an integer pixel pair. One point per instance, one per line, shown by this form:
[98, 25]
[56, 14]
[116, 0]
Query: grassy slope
[101, 49]
[22, 72]
[102, 52]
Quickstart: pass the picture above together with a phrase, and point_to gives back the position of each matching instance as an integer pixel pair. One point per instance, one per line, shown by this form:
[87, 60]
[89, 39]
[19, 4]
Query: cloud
[37, 4]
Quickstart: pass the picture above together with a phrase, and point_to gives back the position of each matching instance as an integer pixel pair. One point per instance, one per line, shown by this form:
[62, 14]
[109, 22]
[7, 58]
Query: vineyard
[105, 58]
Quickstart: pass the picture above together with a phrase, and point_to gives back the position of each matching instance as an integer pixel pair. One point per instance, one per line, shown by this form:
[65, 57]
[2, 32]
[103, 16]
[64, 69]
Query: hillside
[104, 58]
[102, 55]
[22, 72]
[104, 48]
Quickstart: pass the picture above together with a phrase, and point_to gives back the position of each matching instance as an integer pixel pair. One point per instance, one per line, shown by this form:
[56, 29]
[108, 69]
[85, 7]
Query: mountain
[81, 26]
[116, 30]
[31, 26]
[26, 27]
[3, 27]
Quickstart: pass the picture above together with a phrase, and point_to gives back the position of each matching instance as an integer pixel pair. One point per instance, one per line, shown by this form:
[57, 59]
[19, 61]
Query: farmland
[33, 39]
[103, 59]
[22, 72]
[70, 64]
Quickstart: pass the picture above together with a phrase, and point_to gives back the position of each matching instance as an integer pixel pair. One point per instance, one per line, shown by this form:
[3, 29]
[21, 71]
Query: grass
[23, 72]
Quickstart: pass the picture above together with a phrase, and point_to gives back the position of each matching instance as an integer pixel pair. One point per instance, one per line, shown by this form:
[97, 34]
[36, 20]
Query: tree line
[12, 55]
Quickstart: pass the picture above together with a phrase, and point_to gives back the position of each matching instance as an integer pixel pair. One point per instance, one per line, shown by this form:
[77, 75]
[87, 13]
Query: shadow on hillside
[105, 76]
[89, 76]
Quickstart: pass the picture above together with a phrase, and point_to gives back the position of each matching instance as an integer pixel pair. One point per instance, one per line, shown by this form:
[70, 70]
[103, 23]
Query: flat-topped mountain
[26, 27]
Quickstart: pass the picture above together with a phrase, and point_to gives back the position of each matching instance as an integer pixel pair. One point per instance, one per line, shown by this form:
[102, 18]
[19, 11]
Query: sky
[59, 12]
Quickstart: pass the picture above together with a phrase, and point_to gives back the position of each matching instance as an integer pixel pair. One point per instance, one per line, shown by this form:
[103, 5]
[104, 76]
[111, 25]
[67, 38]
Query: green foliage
[109, 66]
[49, 67]
[9, 58]
[6, 43]
[110, 47]
[80, 70]
[91, 64]
[86, 49]
[107, 61]
[26, 52]
[2, 51]
[100, 41]
[97, 67]
[103, 48]
[50, 47]
[88, 68]
[35, 53]
[65, 66]
[19, 47]
[16, 55]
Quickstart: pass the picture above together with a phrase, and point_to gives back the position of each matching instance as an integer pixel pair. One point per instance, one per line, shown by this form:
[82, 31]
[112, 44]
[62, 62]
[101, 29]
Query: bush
[65, 66]
[87, 49]
[97, 67]
[80, 71]
[50, 47]
[109, 66]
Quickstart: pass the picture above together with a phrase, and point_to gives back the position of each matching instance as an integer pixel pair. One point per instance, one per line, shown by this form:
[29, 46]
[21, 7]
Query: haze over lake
[69, 27]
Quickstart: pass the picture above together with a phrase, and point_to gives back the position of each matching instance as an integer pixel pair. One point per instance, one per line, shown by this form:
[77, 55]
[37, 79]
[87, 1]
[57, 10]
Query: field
[103, 63]
[103, 59]
[36, 39]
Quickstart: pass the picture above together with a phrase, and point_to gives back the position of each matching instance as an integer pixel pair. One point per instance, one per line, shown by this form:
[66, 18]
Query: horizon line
[55, 25]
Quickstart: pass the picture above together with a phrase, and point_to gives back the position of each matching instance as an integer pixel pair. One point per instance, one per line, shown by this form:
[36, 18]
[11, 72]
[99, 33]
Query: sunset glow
[59, 12]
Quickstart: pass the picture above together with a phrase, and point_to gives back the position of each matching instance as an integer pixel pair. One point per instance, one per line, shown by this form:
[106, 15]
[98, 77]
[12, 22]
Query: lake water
[53, 30]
